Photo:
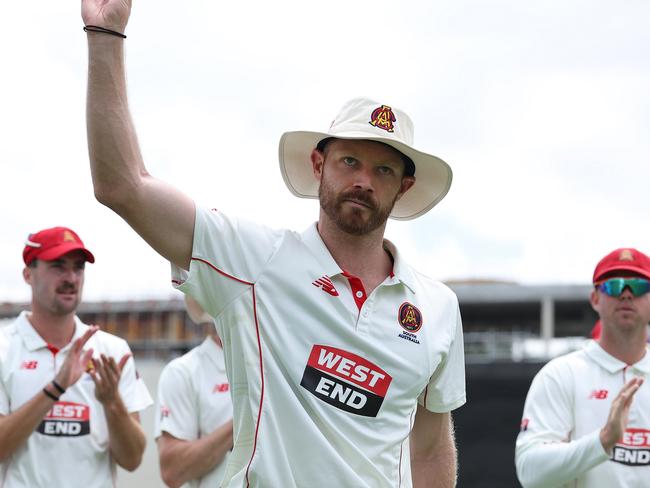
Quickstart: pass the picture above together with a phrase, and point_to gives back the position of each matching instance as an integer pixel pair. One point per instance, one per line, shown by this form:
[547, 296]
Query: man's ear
[27, 275]
[317, 161]
[594, 299]
[407, 184]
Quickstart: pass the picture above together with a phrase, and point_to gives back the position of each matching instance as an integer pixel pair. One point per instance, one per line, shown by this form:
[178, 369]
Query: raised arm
[157, 211]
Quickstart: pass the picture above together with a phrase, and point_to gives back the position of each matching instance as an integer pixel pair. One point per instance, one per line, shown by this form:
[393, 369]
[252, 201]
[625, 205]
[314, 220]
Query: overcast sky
[542, 109]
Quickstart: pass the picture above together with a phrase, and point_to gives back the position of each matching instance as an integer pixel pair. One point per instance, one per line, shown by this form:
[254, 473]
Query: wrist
[605, 440]
[114, 32]
[113, 405]
[50, 394]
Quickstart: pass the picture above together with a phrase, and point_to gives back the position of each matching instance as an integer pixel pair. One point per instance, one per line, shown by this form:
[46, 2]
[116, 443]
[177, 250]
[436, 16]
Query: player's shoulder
[108, 343]
[432, 286]
[213, 217]
[185, 364]
[566, 365]
[8, 334]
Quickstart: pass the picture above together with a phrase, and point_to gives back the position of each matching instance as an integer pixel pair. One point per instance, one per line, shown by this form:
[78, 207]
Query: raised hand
[77, 361]
[618, 414]
[110, 14]
[106, 375]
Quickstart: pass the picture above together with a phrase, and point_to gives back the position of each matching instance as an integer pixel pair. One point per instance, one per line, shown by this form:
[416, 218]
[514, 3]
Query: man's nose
[626, 294]
[364, 179]
[71, 276]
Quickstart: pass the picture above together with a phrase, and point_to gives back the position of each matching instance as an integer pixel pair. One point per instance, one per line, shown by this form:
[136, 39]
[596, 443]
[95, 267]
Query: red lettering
[221, 388]
[29, 365]
[69, 410]
[353, 368]
[599, 394]
[636, 438]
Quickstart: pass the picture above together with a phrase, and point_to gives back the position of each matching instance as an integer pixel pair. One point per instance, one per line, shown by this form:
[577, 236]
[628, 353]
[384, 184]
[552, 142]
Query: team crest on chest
[409, 317]
[383, 118]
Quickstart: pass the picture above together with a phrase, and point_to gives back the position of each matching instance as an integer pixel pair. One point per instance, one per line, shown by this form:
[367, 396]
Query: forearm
[182, 461]
[553, 464]
[16, 427]
[115, 158]
[437, 468]
[126, 437]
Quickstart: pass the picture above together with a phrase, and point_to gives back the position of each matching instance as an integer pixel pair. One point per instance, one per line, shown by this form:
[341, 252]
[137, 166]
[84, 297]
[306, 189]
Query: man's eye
[386, 170]
[349, 160]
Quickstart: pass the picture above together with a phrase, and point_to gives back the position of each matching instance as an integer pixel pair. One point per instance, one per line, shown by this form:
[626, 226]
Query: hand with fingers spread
[106, 376]
[110, 14]
[618, 414]
[76, 362]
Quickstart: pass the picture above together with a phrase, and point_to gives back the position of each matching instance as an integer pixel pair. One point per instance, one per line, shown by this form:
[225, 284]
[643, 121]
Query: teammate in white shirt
[193, 426]
[69, 393]
[586, 421]
[337, 351]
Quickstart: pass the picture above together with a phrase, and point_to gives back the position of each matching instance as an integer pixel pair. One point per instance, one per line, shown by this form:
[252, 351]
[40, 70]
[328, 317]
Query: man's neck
[362, 256]
[56, 330]
[628, 346]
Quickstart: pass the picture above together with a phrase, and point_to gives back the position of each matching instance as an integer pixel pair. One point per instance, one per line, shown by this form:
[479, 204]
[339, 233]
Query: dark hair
[409, 165]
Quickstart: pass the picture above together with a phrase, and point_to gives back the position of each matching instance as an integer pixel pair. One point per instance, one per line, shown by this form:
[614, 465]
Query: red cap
[51, 244]
[624, 259]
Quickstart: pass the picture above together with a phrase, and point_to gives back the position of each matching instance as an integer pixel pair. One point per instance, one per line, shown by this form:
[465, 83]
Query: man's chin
[65, 307]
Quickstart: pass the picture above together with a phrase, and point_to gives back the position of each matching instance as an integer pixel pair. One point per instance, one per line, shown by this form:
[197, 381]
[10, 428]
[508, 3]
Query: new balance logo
[29, 365]
[598, 394]
[326, 285]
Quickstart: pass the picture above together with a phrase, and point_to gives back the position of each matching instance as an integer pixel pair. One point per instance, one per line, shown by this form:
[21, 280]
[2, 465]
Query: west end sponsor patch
[66, 419]
[633, 449]
[345, 380]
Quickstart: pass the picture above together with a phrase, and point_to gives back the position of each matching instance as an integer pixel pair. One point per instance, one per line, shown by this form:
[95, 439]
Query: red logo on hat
[626, 255]
[383, 118]
[68, 237]
[409, 317]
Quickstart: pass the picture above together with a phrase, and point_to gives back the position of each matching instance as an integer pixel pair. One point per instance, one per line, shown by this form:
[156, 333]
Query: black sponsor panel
[63, 428]
[341, 394]
[631, 457]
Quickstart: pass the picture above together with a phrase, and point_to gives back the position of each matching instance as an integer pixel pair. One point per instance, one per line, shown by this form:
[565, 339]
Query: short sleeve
[228, 255]
[176, 408]
[446, 388]
[133, 390]
[4, 394]
[548, 411]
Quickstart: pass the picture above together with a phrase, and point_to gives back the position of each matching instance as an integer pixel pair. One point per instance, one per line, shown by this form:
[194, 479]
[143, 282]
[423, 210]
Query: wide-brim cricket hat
[51, 244]
[362, 118]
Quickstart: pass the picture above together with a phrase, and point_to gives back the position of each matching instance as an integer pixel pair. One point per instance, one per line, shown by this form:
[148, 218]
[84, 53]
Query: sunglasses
[614, 287]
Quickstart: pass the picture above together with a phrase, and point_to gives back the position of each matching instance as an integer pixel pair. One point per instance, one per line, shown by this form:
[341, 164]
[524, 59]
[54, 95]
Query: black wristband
[103, 30]
[51, 395]
[58, 387]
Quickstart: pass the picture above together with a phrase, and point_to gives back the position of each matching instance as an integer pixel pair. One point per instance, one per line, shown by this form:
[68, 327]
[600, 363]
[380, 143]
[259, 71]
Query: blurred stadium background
[511, 330]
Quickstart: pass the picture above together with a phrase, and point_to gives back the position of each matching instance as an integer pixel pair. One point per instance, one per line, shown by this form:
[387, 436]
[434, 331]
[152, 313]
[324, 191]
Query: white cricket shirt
[70, 445]
[567, 405]
[194, 399]
[325, 380]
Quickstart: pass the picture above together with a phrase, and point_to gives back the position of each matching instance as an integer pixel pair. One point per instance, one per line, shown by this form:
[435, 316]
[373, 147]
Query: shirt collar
[213, 352]
[314, 242]
[32, 339]
[610, 363]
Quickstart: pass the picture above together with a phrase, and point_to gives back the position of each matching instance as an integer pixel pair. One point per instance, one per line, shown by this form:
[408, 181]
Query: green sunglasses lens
[615, 286]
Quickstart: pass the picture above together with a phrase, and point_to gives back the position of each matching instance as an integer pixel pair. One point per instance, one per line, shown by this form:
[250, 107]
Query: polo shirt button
[359, 294]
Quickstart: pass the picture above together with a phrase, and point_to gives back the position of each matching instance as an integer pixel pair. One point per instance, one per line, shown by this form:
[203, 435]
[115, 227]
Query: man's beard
[352, 221]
